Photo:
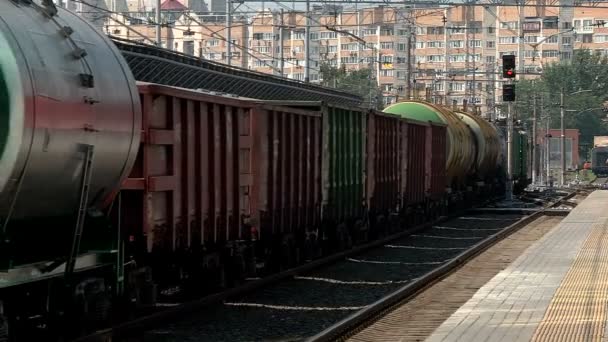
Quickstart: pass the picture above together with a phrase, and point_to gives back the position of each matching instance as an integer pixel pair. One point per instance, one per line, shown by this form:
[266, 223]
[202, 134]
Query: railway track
[337, 296]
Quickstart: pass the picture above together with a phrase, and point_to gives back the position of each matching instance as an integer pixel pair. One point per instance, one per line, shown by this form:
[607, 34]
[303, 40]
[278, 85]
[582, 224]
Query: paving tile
[511, 306]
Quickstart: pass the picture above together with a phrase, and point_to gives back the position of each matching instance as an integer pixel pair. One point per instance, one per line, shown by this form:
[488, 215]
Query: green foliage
[586, 71]
[360, 82]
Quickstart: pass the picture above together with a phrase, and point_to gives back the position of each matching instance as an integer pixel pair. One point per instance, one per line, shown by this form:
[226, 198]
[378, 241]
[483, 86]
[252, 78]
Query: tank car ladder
[82, 209]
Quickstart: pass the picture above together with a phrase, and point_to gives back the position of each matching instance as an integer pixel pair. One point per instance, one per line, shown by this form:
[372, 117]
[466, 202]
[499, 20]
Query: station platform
[557, 290]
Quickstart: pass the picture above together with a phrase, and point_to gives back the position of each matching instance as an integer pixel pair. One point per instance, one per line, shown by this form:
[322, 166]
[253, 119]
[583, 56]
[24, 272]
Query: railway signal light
[508, 92]
[508, 66]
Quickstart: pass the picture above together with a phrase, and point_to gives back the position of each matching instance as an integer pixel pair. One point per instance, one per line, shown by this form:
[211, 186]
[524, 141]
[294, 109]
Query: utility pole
[158, 26]
[307, 44]
[446, 72]
[281, 54]
[410, 91]
[534, 152]
[509, 187]
[521, 47]
[508, 95]
[228, 32]
[547, 142]
[562, 180]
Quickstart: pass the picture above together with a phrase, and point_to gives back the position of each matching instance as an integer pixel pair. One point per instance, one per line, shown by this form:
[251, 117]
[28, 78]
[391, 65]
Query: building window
[491, 30]
[566, 40]
[387, 32]
[299, 77]
[457, 58]
[419, 30]
[457, 30]
[386, 73]
[349, 33]
[435, 58]
[387, 87]
[490, 59]
[454, 86]
[509, 25]
[386, 45]
[435, 44]
[419, 45]
[551, 40]
[600, 38]
[386, 59]
[420, 59]
[263, 49]
[490, 44]
[550, 23]
[435, 30]
[550, 53]
[530, 39]
[456, 43]
[566, 55]
[349, 60]
[401, 47]
[263, 36]
[298, 35]
[328, 35]
[349, 47]
[532, 53]
[314, 35]
[213, 42]
[476, 43]
[587, 38]
[507, 40]
[369, 32]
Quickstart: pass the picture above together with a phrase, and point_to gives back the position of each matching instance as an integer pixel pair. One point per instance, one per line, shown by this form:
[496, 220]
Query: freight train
[113, 192]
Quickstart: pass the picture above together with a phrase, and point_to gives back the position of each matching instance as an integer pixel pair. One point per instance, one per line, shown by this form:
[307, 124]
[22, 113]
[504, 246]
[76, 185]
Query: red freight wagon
[214, 173]
[438, 162]
[406, 168]
[416, 163]
[385, 157]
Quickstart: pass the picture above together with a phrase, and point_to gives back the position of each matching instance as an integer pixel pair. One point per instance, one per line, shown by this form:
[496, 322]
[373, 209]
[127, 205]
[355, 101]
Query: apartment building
[446, 54]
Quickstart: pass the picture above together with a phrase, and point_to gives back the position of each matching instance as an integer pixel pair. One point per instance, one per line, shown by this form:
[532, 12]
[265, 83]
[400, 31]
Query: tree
[586, 71]
[360, 82]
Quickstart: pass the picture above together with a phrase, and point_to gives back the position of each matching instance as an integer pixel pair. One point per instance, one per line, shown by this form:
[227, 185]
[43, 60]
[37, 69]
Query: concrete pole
[521, 47]
[228, 32]
[562, 178]
[158, 26]
[534, 151]
[509, 187]
[307, 44]
[281, 54]
[547, 147]
[445, 56]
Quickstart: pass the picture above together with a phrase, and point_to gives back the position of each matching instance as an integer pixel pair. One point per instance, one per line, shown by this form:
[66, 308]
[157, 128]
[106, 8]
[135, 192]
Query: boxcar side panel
[188, 184]
[438, 161]
[383, 153]
[286, 161]
[416, 163]
[343, 170]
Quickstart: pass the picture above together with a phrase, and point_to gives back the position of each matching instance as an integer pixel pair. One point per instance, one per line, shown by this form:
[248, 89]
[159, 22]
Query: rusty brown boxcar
[216, 173]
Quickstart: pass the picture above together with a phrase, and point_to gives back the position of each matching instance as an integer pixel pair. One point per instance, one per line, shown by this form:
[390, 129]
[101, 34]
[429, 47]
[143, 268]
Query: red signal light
[510, 72]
